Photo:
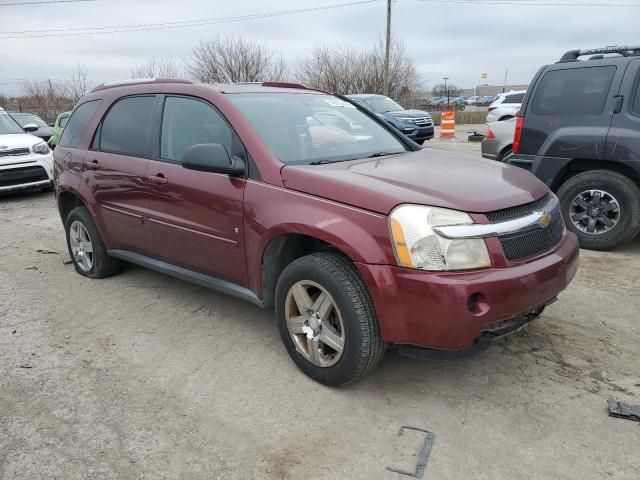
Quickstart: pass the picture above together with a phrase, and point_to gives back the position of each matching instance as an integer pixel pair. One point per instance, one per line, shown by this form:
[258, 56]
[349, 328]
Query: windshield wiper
[323, 162]
[382, 154]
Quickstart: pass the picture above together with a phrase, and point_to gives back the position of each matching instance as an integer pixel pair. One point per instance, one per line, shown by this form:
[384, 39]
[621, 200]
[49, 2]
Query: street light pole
[446, 92]
[387, 50]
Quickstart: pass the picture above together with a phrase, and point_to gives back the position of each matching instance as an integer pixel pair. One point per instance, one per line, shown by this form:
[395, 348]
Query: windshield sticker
[336, 102]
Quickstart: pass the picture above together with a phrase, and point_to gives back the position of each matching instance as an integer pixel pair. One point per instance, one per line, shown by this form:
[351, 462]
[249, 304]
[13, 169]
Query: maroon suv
[298, 200]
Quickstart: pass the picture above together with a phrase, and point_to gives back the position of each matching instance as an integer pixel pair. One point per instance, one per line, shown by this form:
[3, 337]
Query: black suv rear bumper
[547, 169]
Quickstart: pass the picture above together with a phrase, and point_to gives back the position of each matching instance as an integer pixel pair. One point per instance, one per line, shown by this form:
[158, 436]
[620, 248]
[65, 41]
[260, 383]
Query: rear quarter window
[77, 124]
[573, 91]
[515, 98]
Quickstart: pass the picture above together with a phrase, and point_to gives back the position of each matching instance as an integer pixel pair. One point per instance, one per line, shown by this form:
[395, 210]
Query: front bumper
[451, 310]
[26, 172]
[418, 133]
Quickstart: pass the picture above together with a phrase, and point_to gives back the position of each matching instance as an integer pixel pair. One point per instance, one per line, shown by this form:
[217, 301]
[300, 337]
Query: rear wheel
[506, 153]
[326, 319]
[602, 208]
[87, 250]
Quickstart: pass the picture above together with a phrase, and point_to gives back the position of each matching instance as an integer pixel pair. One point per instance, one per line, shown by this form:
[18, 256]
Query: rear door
[623, 143]
[115, 171]
[196, 217]
[570, 112]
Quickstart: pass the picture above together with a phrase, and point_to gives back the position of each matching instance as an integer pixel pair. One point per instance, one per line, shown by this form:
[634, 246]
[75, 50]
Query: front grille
[517, 211]
[421, 122]
[523, 245]
[22, 175]
[14, 152]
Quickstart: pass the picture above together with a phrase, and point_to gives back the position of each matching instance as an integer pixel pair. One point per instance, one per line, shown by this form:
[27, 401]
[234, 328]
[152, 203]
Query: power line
[20, 4]
[533, 3]
[170, 25]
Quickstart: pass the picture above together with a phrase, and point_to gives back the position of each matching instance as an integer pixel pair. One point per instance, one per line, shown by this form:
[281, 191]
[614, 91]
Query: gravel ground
[145, 376]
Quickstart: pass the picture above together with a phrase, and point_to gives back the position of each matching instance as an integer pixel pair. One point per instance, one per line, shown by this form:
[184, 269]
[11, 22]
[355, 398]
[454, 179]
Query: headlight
[404, 121]
[41, 148]
[418, 246]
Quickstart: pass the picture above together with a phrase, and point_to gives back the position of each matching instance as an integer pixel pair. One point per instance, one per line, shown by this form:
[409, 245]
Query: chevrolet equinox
[301, 201]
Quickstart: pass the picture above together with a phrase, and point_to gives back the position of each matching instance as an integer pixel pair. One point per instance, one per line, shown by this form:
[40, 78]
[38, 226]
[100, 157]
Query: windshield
[26, 119]
[383, 104]
[304, 128]
[8, 125]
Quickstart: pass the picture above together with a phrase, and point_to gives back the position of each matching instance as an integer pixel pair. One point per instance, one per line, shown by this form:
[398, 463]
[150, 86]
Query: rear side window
[125, 128]
[77, 123]
[187, 122]
[514, 98]
[573, 91]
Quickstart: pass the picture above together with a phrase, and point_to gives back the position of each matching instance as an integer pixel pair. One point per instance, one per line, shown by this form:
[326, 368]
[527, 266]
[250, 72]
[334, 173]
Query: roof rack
[285, 85]
[139, 81]
[598, 53]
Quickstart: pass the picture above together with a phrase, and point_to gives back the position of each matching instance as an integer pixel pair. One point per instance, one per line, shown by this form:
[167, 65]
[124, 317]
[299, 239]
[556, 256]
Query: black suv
[578, 130]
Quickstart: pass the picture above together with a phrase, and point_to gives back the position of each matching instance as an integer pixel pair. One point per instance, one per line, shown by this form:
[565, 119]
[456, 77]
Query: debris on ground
[31, 267]
[622, 410]
[44, 251]
[423, 456]
[26, 365]
[67, 262]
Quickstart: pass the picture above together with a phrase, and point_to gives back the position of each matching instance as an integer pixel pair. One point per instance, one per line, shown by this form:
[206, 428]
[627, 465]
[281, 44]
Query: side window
[125, 128]
[515, 98]
[187, 122]
[78, 123]
[573, 91]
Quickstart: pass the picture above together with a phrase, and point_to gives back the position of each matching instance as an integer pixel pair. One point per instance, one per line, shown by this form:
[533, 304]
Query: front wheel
[326, 319]
[602, 208]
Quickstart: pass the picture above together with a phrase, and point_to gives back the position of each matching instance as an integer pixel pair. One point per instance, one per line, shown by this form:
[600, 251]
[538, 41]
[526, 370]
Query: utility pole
[446, 92]
[387, 50]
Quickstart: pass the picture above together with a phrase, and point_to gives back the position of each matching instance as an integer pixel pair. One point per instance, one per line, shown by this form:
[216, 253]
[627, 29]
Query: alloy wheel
[81, 246]
[594, 212]
[314, 323]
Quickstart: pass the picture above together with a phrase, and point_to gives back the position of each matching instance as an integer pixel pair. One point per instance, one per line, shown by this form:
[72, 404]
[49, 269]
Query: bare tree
[234, 59]
[345, 70]
[439, 90]
[78, 85]
[47, 98]
[157, 67]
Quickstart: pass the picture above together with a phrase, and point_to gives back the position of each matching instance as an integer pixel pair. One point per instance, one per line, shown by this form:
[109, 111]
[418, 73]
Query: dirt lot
[145, 376]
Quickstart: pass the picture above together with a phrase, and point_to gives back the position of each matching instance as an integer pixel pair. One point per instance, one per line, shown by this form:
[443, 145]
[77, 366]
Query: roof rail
[285, 85]
[138, 81]
[625, 51]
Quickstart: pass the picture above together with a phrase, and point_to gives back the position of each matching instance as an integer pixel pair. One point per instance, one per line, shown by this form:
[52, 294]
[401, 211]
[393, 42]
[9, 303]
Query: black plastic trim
[214, 283]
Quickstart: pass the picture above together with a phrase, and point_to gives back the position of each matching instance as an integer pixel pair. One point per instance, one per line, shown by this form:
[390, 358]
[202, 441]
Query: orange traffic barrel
[448, 124]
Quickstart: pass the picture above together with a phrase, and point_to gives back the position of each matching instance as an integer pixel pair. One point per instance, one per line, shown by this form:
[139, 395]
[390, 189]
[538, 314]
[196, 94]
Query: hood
[18, 140]
[426, 177]
[44, 132]
[409, 114]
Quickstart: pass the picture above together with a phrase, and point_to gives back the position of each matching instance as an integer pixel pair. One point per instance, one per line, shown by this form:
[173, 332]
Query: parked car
[472, 100]
[25, 160]
[579, 132]
[358, 244]
[415, 124]
[33, 124]
[505, 106]
[58, 126]
[484, 101]
[459, 102]
[497, 143]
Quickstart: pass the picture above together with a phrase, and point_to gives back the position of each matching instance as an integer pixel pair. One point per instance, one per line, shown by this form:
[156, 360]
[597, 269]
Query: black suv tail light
[518, 134]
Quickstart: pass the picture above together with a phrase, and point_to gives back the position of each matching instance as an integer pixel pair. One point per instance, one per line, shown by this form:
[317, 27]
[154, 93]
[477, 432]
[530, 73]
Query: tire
[363, 347]
[102, 265]
[615, 189]
[506, 153]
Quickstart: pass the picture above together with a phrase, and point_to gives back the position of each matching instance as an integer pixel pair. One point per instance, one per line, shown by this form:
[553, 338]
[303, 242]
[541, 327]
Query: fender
[272, 211]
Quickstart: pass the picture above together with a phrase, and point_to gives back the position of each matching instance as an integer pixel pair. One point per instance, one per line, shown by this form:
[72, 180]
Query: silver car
[499, 140]
[505, 106]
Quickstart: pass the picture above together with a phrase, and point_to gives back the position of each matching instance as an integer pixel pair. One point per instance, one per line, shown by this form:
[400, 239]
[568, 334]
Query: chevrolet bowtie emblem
[544, 220]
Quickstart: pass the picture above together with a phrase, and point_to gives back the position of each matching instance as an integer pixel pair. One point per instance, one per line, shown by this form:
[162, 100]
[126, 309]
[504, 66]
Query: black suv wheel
[602, 208]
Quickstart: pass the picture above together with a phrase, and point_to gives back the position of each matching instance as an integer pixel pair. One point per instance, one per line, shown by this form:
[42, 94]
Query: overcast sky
[458, 40]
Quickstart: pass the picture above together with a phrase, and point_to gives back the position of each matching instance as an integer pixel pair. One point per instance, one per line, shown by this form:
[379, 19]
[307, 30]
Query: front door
[196, 217]
[623, 143]
[115, 171]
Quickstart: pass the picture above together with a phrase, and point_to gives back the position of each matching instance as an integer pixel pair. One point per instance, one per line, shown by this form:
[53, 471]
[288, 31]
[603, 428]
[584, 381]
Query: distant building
[491, 90]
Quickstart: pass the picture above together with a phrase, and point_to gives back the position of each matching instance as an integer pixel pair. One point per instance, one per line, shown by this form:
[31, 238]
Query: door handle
[92, 165]
[618, 105]
[158, 179]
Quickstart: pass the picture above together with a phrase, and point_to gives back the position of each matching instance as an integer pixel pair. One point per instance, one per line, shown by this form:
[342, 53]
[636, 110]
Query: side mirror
[30, 127]
[214, 158]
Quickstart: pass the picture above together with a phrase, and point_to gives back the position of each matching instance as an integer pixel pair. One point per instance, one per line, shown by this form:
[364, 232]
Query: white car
[506, 106]
[26, 162]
